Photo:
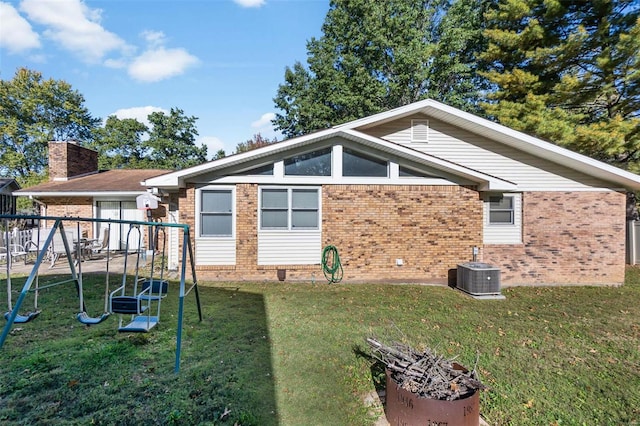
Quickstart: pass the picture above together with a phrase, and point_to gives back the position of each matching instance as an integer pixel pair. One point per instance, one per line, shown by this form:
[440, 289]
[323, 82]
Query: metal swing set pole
[27, 286]
[186, 249]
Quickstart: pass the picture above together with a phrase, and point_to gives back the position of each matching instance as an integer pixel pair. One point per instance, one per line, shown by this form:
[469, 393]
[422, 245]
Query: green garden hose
[331, 266]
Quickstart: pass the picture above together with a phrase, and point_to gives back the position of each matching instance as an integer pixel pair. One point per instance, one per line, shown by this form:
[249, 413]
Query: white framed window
[501, 210]
[502, 218]
[289, 208]
[216, 212]
[315, 163]
[358, 164]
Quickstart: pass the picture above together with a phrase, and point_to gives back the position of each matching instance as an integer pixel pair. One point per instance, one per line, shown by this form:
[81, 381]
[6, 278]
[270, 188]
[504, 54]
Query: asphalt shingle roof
[109, 181]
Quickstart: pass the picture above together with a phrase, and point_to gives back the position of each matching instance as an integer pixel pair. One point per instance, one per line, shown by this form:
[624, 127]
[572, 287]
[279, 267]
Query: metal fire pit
[404, 408]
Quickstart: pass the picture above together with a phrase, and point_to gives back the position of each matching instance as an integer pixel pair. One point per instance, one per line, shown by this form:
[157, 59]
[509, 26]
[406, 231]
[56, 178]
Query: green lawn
[288, 354]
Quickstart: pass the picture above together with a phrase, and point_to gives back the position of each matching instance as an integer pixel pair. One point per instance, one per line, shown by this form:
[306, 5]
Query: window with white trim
[358, 164]
[316, 163]
[289, 208]
[216, 213]
[501, 210]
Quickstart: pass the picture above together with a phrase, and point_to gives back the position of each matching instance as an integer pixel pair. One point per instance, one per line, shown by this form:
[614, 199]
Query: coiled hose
[331, 266]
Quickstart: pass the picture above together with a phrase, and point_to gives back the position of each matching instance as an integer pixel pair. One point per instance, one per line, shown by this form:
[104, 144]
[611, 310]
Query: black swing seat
[157, 291]
[127, 305]
[84, 318]
[22, 318]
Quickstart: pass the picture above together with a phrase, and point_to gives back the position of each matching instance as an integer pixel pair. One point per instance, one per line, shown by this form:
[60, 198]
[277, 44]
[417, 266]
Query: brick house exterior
[406, 196]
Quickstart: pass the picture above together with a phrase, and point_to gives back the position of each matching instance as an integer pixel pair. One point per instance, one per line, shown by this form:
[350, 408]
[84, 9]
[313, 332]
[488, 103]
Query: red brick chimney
[67, 159]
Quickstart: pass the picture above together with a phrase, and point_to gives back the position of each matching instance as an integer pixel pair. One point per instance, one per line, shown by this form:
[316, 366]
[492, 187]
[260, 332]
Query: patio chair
[57, 246]
[38, 237]
[11, 249]
[96, 246]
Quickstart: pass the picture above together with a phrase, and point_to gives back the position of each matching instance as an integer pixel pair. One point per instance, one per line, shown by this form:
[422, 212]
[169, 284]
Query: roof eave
[92, 194]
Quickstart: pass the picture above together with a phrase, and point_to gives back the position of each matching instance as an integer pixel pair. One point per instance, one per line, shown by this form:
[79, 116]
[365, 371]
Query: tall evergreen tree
[568, 71]
[375, 56]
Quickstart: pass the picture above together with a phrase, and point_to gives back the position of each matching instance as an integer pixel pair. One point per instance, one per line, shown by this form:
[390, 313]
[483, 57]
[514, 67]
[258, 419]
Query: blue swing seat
[22, 318]
[84, 318]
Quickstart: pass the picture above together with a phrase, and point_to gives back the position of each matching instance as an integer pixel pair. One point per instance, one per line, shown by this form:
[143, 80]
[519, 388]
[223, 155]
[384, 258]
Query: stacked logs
[425, 373]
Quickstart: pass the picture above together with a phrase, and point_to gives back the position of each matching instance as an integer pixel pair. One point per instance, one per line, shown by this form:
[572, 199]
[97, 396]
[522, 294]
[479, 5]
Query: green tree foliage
[378, 55]
[258, 141]
[568, 71]
[34, 111]
[119, 144]
[171, 142]
[219, 154]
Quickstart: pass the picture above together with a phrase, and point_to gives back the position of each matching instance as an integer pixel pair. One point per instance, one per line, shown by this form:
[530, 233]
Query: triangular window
[358, 164]
[266, 170]
[316, 163]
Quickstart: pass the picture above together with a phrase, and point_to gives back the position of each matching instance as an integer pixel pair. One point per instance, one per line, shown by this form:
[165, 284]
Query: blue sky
[218, 60]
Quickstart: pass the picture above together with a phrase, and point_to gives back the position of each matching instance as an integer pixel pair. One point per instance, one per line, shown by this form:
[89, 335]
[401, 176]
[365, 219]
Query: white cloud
[16, 34]
[213, 144]
[250, 3]
[264, 121]
[154, 38]
[264, 126]
[159, 64]
[76, 27]
[139, 113]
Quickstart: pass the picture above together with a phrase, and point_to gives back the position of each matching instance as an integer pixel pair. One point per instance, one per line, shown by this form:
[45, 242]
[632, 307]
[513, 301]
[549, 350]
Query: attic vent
[419, 130]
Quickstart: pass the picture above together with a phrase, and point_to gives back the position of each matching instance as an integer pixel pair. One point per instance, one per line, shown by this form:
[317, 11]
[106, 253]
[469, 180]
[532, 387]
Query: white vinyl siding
[173, 234]
[215, 251]
[471, 150]
[210, 249]
[289, 247]
[297, 241]
[502, 232]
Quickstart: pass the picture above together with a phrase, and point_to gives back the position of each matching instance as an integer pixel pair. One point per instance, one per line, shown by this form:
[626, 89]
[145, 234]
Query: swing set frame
[186, 257]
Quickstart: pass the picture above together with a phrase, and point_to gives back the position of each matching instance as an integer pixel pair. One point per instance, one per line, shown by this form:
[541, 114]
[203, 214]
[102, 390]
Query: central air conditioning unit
[477, 278]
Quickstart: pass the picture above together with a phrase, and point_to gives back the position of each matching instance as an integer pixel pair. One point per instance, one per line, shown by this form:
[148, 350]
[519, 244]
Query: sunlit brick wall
[68, 159]
[71, 207]
[568, 238]
[430, 228]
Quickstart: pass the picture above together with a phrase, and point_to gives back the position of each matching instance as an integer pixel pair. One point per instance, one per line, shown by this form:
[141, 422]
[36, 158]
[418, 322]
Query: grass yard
[287, 354]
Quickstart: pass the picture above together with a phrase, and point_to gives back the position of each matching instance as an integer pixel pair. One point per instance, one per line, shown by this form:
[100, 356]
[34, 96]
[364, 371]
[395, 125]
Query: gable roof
[353, 131]
[8, 185]
[176, 179]
[111, 182]
[504, 135]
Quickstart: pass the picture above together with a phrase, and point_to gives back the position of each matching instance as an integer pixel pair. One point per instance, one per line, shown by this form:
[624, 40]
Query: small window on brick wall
[216, 213]
[501, 210]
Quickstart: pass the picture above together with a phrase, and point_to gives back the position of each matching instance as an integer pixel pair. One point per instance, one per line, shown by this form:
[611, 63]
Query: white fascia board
[393, 114]
[176, 179]
[92, 194]
[485, 181]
